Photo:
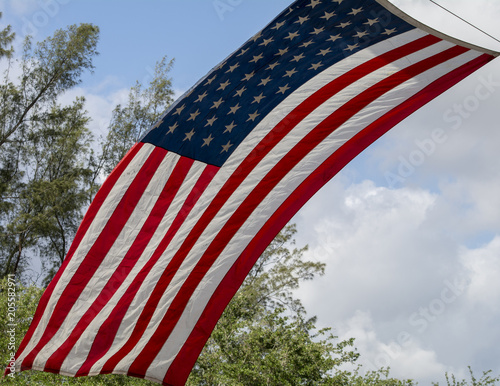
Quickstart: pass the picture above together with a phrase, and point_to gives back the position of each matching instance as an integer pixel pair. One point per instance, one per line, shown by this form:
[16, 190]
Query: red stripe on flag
[94, 257]
[265, 186]
[180, 368]
[266, 145]
[142, 239]
[110, 326]
[82, 230]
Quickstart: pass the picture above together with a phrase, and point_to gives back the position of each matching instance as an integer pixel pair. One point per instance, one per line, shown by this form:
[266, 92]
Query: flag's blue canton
[310, 36]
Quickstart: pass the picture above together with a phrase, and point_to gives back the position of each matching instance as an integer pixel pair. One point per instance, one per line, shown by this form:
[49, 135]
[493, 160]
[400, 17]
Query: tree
[143, 109]
[49, 69]
[486, 379]
[17, 307]
[44, 148]
[6, 38]
[264, 337]
[49, 173]
[129, 122]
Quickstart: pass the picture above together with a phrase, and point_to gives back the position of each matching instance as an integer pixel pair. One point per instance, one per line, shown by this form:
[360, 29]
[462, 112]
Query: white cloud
[467, 143]
[389, 252]
[22, 8]
[402, 354]
[377, 237]
[484, 267]
[396, 266]
[99, 105]
[178, 93]
[32, 17]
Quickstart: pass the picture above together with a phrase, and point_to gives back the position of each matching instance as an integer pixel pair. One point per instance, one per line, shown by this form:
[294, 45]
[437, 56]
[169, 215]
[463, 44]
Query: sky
[409, 231]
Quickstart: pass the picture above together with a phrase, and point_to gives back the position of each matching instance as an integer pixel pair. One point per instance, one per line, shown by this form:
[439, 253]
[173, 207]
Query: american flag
[184, 216]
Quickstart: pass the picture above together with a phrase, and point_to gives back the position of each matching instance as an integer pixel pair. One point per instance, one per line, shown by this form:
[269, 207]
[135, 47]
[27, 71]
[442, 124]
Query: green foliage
[263, 337]
[49, 68]
[142, 111]
[44, 151]
[377, 378]
[278, 272]
[6, 38]
[486, 379]
[25, 301]
[49, 173]
[17, 307]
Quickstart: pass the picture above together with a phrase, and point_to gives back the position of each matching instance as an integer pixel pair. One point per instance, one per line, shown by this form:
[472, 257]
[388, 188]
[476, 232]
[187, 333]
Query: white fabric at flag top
[179, 223]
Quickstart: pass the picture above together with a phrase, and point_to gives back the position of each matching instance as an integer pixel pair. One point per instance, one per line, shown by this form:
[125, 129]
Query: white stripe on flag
[142, 295]
[88, 240]
[273, 200]
[110, 262]
[85, 341]
[170, 292]
[252, 180]
[269, 161]
[213, 229]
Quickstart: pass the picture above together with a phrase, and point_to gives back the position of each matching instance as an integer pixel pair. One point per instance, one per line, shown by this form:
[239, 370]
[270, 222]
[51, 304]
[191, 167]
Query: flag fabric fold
[181, 220]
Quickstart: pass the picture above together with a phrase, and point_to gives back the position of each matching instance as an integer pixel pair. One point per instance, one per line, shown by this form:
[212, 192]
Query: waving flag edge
[188, 354]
